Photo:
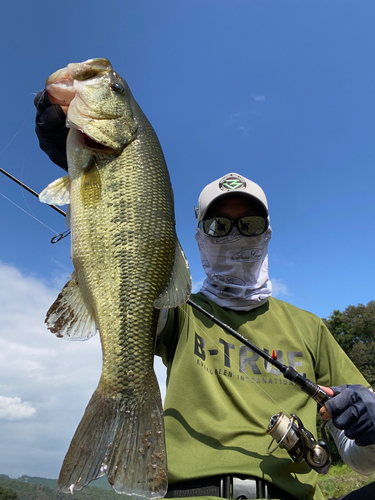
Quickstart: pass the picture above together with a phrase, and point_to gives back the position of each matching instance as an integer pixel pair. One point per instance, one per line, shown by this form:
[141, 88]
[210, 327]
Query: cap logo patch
[232, 182]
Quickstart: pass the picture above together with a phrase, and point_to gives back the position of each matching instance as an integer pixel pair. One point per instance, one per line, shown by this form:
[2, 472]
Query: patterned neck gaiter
[237, 269]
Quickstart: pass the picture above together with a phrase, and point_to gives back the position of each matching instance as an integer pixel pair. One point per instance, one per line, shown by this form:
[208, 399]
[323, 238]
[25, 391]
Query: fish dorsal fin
[57, 193]
[69, 317]
[178, 289]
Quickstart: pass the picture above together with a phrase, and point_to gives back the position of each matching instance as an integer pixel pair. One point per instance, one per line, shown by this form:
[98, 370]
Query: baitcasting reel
[291, 435]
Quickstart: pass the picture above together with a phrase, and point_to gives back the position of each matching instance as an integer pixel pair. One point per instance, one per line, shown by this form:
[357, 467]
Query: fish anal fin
[122, 438]
[69, 317]
[178, 289]
[57, 193]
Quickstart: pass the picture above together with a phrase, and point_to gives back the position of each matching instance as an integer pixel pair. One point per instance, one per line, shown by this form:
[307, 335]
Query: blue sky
[281, 91]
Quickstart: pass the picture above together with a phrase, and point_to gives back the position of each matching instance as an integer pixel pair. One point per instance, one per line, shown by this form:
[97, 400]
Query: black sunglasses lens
[253, 225]
[218, 226]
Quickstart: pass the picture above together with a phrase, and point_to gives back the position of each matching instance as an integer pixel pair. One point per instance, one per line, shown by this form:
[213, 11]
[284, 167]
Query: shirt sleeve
[359, 458]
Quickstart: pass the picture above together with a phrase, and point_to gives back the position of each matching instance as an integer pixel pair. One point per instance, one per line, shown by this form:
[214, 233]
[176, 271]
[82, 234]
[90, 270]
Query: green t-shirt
[221, 396]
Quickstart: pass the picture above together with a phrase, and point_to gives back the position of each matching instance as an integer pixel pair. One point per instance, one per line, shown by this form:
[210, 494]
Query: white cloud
[233, 117]
[279, 288]
[240, 122]
[39, 374]
[259, 98]
[45, 382]
[245, 131]
[14, 409]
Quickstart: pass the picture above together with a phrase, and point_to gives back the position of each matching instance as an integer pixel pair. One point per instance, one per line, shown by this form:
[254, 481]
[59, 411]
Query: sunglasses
[252, 225]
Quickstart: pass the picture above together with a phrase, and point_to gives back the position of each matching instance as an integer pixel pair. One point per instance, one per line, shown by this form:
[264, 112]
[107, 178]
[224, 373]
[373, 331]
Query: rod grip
[307, 385]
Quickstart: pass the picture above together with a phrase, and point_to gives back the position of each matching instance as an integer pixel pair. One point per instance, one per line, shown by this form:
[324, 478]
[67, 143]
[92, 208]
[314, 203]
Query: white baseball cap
[230, 184]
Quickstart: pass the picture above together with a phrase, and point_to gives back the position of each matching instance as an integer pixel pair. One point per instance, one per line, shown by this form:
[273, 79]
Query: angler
[216, 426]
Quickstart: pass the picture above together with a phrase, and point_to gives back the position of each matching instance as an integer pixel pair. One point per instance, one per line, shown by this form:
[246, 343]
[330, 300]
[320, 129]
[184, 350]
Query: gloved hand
[50, 129]
[353, 410]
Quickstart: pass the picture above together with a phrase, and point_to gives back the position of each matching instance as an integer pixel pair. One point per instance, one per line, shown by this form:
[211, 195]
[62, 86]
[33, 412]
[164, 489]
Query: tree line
[354, 330]
[16, 489]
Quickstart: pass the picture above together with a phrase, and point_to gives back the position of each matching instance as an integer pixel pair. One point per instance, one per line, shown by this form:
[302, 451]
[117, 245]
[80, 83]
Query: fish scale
[127, 262]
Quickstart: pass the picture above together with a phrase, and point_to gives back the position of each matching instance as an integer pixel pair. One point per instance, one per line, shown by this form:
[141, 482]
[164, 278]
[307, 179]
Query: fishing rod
[29, 189]
[56, 238]
[308, 386]
[289, 434]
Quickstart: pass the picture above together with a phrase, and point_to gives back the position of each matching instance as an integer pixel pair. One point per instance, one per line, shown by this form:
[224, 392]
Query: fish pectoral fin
[57, 193]
[69, 317]
[178, 289]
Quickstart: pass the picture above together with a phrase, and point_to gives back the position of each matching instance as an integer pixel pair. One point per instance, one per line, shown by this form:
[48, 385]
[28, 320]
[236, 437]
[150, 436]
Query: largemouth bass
[127, 265]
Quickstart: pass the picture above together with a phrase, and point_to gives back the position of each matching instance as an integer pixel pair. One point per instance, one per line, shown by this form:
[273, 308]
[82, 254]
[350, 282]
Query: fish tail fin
[122, 438]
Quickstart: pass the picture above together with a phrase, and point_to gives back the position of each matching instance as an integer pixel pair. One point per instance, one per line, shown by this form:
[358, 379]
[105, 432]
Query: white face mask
[237, 269]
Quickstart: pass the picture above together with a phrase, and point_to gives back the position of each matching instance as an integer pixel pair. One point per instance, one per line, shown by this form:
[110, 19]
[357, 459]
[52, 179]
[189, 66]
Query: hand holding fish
[50, 128]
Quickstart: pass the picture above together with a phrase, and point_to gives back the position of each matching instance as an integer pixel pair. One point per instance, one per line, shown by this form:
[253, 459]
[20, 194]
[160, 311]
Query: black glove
[50, 129]
[353, 410]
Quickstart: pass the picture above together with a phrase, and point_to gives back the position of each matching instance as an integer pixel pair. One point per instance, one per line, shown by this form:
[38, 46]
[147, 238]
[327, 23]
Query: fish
[128, 265]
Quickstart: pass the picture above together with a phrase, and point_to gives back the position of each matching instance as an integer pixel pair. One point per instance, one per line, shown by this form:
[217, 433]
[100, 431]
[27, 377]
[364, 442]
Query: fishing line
[22, 168]
[15, 135]
[30, 215]
[25, 149]
[234, 362]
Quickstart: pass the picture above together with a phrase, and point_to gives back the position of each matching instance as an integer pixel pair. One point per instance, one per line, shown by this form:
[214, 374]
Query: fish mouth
[90, 143]
[60, 85]
[64, 87]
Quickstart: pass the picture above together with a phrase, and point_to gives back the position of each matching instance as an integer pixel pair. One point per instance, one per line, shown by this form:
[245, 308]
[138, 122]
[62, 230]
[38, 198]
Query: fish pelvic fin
[69, 317]
[123, 439]
[178, 289]
[57, 193]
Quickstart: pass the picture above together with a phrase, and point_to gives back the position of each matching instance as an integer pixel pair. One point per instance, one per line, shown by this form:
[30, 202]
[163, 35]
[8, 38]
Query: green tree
[363, 356]
[354, 330]
[6, 494]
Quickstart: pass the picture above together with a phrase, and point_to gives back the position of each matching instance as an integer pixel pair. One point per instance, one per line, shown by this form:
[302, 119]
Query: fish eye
[118, 88]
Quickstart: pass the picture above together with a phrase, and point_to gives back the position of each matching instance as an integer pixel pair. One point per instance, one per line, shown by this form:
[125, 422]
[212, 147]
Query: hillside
[51, 483]
[37, 488]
